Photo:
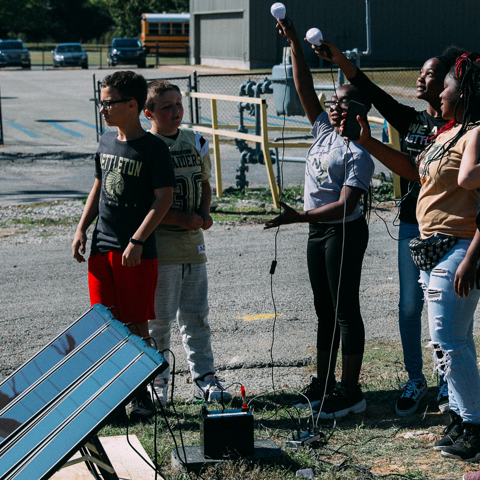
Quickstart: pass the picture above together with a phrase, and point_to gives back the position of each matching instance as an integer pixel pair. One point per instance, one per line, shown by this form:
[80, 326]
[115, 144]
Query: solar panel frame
[63, 395]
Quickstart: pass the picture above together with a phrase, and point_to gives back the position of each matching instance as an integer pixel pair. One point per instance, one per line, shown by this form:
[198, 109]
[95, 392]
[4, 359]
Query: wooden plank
[216, 147]
[127, 464]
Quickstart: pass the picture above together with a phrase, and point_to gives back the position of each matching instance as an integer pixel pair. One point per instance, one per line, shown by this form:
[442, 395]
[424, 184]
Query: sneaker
[413, 392]
[314, 393]
[339, 403]
[442, 398]
[160, 393]
[451, 432]
[467, 446]
[210, 389]
[142, 408]
[472, 476]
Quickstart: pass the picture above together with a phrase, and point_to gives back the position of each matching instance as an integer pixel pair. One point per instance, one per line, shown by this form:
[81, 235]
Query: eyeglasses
[333, 103]
[107, 104]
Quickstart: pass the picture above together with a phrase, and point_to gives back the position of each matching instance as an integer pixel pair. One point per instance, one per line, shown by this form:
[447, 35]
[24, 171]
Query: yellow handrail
[226, 131]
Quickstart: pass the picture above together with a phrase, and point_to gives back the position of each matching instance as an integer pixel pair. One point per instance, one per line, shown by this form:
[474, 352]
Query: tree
[126, 13]
[23, 18]
[78, 20]
[61, 20]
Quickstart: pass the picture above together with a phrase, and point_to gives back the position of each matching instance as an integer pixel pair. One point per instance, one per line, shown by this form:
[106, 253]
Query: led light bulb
[278, 10]
[314, 35]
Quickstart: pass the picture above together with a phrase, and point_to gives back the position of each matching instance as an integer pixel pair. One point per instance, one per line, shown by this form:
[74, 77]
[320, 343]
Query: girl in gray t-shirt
[337, 174]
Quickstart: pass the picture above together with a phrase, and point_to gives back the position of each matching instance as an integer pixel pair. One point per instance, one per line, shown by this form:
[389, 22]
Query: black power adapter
[227, 433]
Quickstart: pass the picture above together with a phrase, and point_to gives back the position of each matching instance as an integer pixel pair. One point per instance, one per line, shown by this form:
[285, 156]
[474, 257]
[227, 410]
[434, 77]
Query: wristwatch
[136, 242]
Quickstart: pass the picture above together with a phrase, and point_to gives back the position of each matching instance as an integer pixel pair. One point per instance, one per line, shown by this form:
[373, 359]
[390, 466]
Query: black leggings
[324, 254]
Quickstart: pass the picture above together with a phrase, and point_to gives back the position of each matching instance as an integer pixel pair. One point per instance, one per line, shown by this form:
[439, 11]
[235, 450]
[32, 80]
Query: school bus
[169, 32]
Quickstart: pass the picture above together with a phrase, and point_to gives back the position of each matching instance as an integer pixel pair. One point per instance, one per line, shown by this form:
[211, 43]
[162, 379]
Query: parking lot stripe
[23, 129]
[62, 128]
[81, 122]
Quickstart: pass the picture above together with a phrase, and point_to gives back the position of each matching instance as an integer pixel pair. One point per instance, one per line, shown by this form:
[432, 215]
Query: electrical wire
[274, 262]
[183, 461]
[275, 391]
[153, 467]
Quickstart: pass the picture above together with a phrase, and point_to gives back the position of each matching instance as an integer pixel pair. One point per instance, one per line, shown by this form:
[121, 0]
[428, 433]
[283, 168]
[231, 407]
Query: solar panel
[62, 396]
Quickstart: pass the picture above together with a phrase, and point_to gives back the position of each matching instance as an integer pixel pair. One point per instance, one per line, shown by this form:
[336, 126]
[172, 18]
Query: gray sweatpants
[182, 293]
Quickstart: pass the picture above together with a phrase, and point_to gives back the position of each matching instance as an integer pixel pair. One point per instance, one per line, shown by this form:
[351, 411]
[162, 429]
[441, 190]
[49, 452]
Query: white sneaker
[210, 389]
[160, 394]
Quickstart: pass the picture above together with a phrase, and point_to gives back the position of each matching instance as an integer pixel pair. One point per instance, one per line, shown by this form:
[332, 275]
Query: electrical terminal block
[306, 438]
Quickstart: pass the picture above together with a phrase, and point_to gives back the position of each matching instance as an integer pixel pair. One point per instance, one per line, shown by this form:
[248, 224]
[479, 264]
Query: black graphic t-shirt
[130, 172]
[414, 127]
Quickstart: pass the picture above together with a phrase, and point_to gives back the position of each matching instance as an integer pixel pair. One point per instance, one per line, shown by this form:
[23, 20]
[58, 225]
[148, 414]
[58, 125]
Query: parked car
[70, 55]
[13, 53]
[126, 51]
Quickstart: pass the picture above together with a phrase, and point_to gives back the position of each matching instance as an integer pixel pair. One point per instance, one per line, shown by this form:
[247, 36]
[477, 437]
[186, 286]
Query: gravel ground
[43, 290]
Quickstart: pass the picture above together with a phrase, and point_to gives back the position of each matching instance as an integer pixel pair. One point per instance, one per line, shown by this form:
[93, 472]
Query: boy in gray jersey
[182, 289]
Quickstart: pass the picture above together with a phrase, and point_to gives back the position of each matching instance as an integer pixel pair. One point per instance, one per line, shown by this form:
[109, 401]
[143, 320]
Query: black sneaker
[340, 403]
[313, 392]
[142, 408]
[413, 392]
[451, 432]
[467, 446]
[442, 398]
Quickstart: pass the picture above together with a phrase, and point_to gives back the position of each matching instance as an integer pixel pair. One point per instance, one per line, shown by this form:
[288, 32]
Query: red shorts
[130, 289]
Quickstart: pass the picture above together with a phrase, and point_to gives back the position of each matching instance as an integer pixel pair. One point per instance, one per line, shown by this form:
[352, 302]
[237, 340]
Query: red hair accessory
[462, 62]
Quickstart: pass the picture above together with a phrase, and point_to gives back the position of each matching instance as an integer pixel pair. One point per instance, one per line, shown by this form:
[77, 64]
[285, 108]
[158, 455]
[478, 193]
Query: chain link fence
[398, 83]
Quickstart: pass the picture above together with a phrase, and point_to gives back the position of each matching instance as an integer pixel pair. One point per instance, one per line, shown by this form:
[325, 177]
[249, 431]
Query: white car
[70, 55]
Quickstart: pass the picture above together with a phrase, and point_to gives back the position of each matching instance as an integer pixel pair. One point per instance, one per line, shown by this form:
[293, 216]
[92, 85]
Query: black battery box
[227, 433]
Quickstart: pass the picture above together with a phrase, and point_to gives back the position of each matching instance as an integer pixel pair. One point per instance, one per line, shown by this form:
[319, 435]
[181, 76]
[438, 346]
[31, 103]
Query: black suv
[126, 51]
[14, 54]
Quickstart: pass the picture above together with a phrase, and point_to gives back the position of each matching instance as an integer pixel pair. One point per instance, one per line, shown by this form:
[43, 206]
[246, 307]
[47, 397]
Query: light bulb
[278, 10]
[314, 35]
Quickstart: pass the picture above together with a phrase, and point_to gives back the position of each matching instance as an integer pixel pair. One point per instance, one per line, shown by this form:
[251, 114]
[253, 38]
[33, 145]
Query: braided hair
[467, 73]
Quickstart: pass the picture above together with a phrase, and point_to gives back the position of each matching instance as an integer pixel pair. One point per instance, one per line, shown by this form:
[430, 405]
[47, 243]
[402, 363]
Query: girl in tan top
[446, 208]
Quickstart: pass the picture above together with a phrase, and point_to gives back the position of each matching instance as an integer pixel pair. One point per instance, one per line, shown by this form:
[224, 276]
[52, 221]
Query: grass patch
[255, 205]
[40, 222]
[369, 445]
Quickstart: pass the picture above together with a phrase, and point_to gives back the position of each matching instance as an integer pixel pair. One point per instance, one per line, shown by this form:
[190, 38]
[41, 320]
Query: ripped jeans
[451, 329]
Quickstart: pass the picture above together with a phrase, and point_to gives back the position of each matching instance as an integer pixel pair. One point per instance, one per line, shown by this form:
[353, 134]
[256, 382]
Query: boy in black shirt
[133, 189]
